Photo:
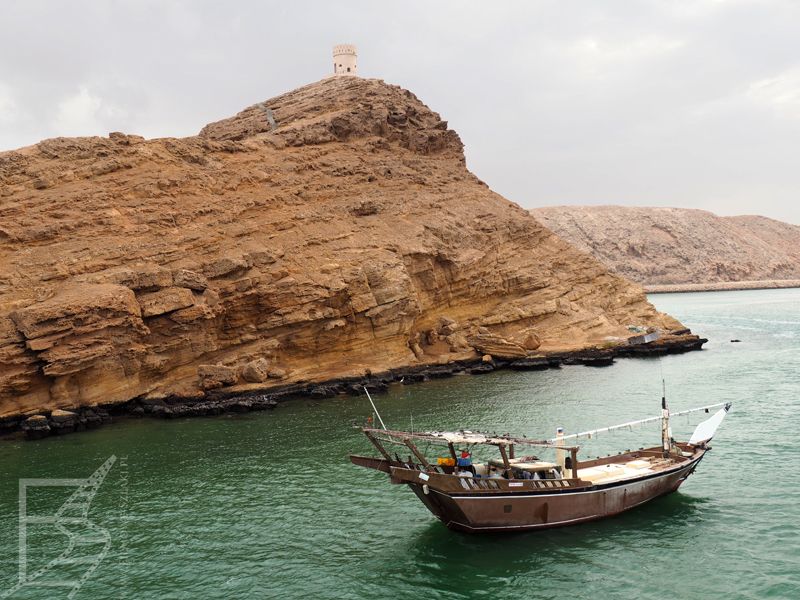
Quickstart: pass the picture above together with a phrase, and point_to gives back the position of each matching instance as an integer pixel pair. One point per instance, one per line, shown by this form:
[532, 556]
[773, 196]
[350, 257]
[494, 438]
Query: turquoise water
[267, 505]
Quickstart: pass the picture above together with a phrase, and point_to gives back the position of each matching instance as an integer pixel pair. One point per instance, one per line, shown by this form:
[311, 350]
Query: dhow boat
[516, 490]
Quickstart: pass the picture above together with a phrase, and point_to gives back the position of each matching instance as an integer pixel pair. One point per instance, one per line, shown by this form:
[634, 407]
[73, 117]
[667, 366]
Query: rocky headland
[323, 239]
[680, 249]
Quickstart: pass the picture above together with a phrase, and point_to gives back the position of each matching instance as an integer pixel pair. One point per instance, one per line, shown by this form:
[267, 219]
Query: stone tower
[344, 60]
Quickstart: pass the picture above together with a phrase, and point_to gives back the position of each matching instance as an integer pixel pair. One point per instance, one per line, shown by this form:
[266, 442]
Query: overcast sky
[690, 103]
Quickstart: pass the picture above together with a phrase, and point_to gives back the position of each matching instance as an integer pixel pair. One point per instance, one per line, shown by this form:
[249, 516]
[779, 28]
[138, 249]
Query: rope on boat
[373, 407]
[639, 422]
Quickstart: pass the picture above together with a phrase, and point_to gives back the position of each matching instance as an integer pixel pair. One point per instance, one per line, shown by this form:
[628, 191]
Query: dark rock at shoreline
[377, 387]
[36, 427]
[410, 378]
[217, 402]
[659, 348]
[530, 364]
[441, 372]
[174, 408]
[93, 419]
[10, 425]
[598, 360]
[61, 422]
[263, 403]
[324, 391]
[240, 405]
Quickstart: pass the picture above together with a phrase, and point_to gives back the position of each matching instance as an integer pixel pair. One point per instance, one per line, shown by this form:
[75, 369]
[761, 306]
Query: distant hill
[681, 247]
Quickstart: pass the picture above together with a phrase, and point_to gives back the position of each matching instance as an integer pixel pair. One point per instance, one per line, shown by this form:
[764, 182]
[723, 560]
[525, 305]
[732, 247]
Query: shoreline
[721, 286]
[60, 422]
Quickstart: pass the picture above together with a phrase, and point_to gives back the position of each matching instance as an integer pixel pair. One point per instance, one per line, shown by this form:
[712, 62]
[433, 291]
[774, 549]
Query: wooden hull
[519, 511]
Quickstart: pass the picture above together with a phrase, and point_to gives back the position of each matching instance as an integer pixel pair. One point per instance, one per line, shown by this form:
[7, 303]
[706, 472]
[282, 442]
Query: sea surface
[267, 505]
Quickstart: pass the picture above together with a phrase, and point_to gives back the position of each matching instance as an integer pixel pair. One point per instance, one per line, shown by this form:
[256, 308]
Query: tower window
[348, 69]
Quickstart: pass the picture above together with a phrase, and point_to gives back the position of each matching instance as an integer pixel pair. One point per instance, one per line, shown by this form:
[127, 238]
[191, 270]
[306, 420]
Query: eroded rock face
[664, 246]
[216, 376]
[165, 301]
[350, 238]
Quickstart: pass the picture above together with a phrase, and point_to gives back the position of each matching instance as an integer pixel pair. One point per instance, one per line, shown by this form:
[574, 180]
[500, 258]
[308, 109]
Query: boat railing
[456, 483]
[483, 483]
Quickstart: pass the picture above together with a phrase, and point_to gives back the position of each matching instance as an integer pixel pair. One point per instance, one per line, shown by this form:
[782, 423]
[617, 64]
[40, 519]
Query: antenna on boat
[373, 407]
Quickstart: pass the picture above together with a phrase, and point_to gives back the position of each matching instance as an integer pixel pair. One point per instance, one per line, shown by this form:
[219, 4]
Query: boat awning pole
[378, 445]
[573, 455]
[418, 454]
[505, 457]
[452, 450]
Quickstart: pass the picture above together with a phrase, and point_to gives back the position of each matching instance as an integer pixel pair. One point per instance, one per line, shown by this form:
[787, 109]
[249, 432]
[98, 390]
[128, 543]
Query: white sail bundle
[706, 430]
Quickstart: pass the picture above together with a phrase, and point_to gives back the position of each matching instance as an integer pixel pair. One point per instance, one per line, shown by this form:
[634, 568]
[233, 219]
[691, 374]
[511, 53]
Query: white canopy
[463, 437]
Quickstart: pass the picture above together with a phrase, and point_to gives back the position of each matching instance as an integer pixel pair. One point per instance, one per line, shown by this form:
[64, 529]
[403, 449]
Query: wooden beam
[452, 451]
[511, 451]
[378, 445]
[418, 454]
[573, 455]
[505, 458]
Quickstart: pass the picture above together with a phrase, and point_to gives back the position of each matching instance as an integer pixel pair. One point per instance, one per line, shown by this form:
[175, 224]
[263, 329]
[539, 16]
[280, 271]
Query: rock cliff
[673, 246]
[330, 231]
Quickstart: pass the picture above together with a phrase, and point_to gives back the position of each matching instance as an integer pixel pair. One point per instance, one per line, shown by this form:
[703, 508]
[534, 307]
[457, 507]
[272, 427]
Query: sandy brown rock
[216, 376]
[256, 371]
[166, 300]
[673, 246]
[190, 279]
[350, 238]
[495, 345]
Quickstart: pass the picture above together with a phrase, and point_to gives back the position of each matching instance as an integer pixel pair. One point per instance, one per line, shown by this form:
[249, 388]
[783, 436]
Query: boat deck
[626, 470]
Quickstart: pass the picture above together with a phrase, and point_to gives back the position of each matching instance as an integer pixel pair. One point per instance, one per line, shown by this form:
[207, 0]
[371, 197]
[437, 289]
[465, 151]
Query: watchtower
[344, 60]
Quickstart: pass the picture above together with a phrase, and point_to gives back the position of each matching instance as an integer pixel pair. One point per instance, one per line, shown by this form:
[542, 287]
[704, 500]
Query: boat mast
[666, 433]
[560, 455]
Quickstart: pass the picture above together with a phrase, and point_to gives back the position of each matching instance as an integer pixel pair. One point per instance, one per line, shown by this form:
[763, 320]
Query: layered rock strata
[347, 239]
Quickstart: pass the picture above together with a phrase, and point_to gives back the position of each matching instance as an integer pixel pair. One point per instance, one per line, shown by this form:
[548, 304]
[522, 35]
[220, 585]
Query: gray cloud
[683, 103]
